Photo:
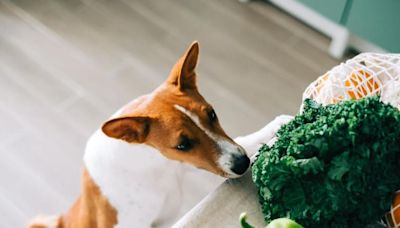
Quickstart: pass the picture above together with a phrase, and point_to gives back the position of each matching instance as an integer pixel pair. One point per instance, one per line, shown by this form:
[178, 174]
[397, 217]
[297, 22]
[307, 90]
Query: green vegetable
[243, 221]
[283, 223]
[276, 223]
[332, 166]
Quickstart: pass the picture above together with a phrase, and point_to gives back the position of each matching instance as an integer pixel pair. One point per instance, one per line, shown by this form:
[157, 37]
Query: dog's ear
[130, 129]
[183, 74]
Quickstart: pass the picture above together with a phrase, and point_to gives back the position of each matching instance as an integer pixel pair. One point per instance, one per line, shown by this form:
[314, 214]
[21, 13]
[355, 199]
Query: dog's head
[180, 123]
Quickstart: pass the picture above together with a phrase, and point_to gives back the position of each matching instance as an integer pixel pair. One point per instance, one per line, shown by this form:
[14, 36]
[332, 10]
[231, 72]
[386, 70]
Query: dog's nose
[240, 164]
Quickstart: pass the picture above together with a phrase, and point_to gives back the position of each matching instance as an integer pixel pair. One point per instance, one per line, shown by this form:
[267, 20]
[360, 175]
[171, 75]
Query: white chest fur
[145, 188]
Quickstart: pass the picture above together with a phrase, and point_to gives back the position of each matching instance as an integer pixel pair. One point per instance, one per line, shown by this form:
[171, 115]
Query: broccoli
[332, 166]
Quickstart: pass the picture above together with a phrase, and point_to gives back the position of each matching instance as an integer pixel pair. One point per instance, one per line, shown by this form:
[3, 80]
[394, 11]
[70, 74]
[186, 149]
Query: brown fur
[91, 210]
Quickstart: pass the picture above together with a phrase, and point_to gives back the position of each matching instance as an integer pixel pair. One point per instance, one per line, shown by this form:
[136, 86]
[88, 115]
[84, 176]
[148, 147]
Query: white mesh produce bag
[364, 75]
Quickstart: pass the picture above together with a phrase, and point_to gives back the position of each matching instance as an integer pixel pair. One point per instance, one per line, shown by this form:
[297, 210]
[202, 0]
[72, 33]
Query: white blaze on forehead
[195, 118]
[228, 149]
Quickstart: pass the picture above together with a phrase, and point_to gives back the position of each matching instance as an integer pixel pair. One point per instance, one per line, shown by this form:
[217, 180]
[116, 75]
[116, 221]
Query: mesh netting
[364, 75]
[393, 217]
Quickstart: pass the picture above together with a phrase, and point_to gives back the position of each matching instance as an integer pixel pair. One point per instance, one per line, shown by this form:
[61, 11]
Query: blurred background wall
[66, 66]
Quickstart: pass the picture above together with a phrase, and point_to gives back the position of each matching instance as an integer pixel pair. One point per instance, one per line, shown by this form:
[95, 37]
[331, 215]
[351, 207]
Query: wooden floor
[65, 66]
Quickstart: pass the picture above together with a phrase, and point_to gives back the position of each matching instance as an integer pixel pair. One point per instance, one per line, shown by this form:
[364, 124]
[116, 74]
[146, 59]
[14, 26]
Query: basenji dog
[135, 172]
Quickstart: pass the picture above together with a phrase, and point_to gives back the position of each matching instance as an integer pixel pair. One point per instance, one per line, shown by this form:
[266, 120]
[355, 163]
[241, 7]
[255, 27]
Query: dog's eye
[185, 144]
[212, 115]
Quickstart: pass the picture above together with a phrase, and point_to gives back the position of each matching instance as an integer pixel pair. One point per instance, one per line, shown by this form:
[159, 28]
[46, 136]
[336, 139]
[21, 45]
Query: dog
[135, 172]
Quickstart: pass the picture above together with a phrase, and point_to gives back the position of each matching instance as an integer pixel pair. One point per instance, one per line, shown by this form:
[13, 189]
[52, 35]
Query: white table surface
[222, 207]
